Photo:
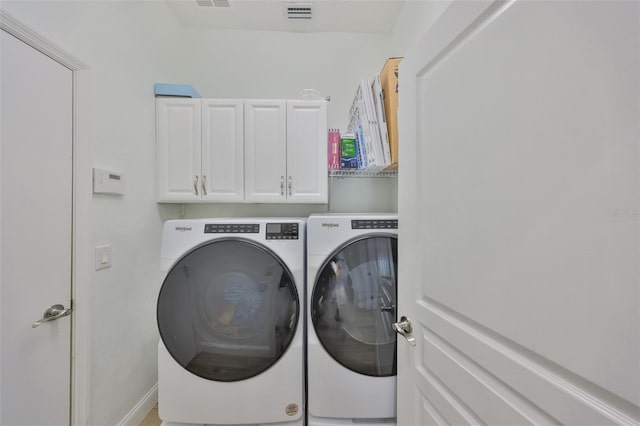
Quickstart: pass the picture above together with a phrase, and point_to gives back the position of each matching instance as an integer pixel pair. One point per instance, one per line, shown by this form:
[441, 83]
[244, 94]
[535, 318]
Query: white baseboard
[142, 408]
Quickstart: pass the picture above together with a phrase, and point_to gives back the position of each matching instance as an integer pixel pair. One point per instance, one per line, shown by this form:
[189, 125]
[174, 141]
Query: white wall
[270, 64]
[413, 21]
[128, 46]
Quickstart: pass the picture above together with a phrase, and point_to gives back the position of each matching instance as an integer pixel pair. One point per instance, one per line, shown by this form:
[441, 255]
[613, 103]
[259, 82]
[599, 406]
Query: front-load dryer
[351, 306]
[230, 319]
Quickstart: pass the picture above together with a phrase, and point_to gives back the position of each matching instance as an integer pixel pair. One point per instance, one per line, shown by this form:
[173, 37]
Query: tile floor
[152, 418]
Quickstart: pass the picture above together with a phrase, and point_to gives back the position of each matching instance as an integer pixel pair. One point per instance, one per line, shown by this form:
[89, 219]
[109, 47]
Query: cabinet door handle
[282, 185]
[195, 185]
[204, 184]
[290, 182]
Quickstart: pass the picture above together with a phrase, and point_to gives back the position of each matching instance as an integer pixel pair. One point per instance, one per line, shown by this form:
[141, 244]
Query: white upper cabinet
[200, 150]
[285, 151]
[222, 150]
[178, 152]
[265, 150]
[254, 151]
[307, 152]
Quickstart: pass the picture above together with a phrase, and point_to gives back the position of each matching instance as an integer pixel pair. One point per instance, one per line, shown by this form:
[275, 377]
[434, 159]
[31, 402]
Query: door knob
[52, 313]
[404, 328]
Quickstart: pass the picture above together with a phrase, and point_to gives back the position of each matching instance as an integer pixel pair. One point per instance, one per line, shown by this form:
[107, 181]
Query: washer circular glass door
[228, 310]
[353, 305]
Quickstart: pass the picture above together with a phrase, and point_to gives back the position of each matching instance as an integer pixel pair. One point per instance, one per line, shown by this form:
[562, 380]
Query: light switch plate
[103, 257]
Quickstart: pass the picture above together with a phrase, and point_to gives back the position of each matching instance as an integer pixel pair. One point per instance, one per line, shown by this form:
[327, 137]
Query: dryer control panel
[375, 224]
[282, 231]
[231, 228]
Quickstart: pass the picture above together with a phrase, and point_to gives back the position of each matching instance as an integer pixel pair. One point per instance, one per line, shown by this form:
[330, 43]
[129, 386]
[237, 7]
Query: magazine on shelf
[362, 154]
[381, 119]
[355, 128]
[370, 125]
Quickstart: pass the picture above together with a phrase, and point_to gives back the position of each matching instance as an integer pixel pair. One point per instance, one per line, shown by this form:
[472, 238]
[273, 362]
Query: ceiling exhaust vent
[298, 11]
[216, 3]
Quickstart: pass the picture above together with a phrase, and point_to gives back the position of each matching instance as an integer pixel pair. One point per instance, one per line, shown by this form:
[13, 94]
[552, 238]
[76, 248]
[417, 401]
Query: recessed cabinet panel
[265, 151]
[222, 150]
[178, 149]
[307, 151]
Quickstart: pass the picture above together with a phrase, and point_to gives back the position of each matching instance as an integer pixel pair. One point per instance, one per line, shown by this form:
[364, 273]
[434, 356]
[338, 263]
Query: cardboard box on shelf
[389, 82]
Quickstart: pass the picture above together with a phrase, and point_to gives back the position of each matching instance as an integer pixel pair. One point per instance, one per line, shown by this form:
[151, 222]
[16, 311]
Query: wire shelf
[362, 173]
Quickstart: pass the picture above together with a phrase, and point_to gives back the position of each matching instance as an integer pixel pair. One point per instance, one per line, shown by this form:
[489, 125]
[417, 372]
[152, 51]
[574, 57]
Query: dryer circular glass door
[353, 305]
[228, 310]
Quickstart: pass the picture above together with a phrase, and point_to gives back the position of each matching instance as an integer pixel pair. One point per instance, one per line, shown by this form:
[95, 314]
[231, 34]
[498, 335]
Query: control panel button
[232, 228]
[374, 224]
[282, 231]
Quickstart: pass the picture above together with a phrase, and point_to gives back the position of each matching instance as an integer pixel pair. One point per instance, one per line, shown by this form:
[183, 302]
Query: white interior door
[35, 233]
[519, 209]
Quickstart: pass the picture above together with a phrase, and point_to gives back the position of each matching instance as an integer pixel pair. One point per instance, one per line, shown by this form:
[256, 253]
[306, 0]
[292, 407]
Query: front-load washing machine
[229, 314]
[351, 306]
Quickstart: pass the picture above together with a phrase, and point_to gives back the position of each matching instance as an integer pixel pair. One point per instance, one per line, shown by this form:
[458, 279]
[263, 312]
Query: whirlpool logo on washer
[183, 228]
[330, 225]
[291, 409]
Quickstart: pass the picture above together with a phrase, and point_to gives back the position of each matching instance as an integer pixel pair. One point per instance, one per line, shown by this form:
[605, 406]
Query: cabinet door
[222, 177]
[265, 135]
[307, 151]
[178, 149]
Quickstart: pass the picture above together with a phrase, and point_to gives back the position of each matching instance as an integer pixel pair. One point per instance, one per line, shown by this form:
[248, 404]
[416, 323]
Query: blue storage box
[183, 90]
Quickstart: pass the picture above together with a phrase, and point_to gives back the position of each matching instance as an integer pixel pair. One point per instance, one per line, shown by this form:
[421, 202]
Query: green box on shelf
[348, 152]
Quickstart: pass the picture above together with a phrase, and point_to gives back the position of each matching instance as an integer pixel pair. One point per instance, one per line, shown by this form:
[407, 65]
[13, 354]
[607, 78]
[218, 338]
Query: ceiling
[359, 16]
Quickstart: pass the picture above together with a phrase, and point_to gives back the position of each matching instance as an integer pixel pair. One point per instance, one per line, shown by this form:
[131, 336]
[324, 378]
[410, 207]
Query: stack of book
[373, 119]
[368, 124]
[371, 141]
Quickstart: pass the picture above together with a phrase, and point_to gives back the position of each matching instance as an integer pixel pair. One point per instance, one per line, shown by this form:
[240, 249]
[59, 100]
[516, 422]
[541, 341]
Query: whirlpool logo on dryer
[183, 228]
[330, 225]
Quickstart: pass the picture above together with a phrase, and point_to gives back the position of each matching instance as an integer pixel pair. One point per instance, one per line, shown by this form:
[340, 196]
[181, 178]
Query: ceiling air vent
[216, 3]
[298, 11]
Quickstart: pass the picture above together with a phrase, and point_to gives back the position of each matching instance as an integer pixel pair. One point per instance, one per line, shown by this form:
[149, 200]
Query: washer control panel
[374, 224]
[231, 228]
[282, 231]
